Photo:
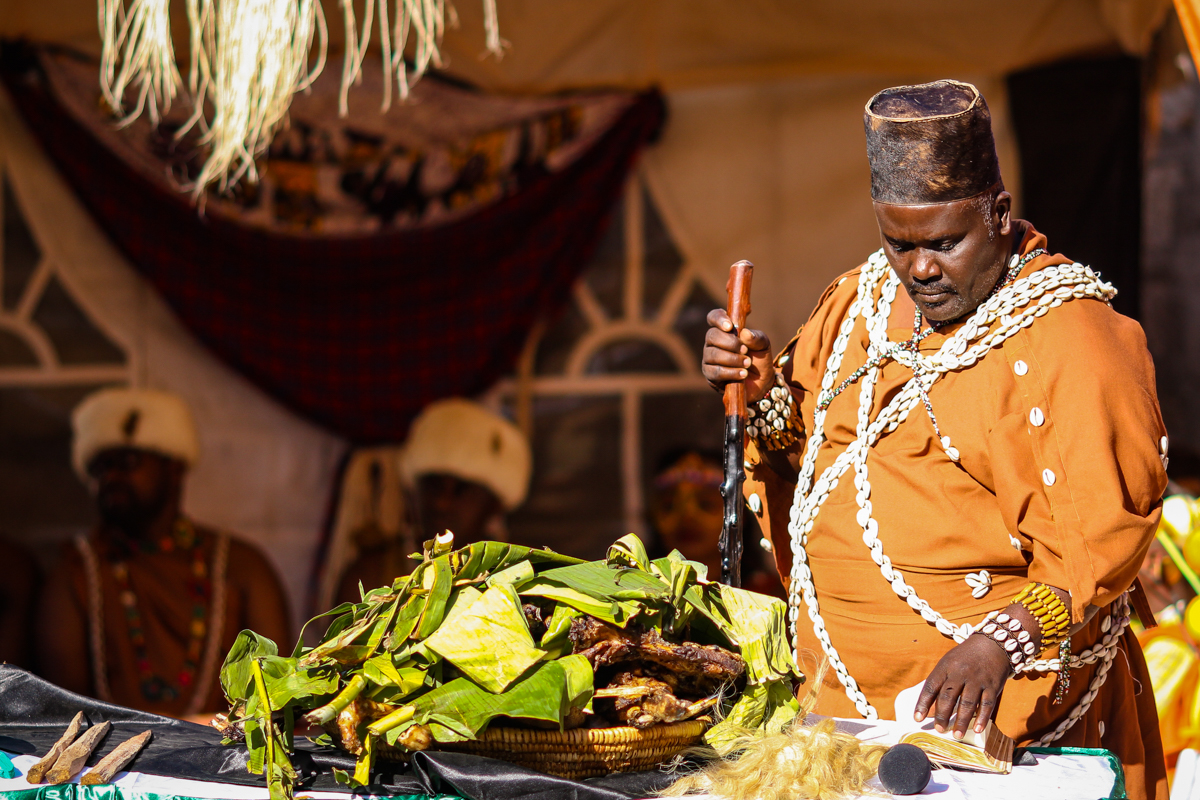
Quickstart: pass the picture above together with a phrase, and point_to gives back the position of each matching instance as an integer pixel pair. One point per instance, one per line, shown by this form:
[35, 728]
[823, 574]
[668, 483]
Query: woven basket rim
[663, 731]
[584, 752]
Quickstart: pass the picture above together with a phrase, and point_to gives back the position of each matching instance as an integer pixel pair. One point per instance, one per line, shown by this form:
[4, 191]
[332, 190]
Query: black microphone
[905, 769]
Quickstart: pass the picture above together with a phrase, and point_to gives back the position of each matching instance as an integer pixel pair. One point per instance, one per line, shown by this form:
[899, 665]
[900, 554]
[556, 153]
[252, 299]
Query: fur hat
[930, 143]
[144, 419]
[464, 439]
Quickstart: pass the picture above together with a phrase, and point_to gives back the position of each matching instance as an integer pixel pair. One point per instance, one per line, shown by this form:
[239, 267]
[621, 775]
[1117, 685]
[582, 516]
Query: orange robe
[1089, 373]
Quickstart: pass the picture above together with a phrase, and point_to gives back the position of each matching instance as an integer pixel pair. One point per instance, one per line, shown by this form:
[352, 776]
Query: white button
[1037, 417]
[1162, 445]
[755, 503]
[765, 544]
[1020, 367]
[1048, 477]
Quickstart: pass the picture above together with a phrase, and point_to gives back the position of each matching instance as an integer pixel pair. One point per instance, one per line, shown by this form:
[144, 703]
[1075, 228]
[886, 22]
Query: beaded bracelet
[1051, 613]
[774, 421]
[1008, 632]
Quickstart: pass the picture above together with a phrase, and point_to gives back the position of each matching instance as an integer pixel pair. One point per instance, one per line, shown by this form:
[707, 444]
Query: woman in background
[686, 514]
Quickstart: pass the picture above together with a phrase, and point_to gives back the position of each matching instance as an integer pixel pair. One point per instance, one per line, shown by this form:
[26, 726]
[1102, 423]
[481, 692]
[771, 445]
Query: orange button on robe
[1086, 371]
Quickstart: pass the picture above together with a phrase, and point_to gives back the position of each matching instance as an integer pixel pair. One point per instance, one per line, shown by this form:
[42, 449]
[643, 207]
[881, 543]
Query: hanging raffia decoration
[137, 50]
[248, 57]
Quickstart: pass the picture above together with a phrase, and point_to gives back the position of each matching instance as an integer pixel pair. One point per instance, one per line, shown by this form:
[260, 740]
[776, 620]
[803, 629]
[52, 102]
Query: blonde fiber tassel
[248, 57]
[356, 48]
[260, 60]
[139, 40]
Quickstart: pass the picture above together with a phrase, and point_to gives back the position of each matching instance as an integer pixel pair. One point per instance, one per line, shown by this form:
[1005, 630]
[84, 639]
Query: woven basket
[574, 754]
[586, 752]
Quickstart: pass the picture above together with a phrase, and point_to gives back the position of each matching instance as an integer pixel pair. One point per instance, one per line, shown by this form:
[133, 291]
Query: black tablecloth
[34, 714]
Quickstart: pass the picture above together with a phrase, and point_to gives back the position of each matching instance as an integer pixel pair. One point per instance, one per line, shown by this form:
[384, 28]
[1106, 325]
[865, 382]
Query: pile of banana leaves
[447, 650]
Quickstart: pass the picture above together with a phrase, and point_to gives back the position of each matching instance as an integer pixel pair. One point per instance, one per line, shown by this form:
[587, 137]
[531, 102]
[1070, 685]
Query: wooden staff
[738, 289]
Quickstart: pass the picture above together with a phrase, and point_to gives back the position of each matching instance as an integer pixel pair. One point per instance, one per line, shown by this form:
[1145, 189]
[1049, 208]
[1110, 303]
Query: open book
[990, 751]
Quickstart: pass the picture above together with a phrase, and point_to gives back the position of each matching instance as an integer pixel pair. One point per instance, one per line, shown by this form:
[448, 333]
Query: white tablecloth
[1056, 777]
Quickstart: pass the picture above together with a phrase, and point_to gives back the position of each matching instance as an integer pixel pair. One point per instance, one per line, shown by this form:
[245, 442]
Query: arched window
[51, 355]
[613, 385]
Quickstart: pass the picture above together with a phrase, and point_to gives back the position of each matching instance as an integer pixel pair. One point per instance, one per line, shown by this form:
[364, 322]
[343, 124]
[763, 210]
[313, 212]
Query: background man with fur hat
[465, 468]
[961, 479]
[143, 610]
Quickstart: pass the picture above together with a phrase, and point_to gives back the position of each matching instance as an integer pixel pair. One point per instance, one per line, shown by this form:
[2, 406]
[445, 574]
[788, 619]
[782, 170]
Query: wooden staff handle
[738, 289]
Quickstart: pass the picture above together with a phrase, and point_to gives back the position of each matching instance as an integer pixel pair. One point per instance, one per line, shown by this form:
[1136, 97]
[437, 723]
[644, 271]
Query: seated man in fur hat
[464, 468]
[960, 458]
[143, 610]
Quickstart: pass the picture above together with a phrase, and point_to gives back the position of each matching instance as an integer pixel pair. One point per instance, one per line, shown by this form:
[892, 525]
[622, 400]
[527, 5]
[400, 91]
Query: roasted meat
[642, 701]
[690, 670]
[355, 717]
[535, 617]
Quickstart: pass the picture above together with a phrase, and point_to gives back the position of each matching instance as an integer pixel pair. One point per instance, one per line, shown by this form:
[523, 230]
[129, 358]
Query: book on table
[989, 751]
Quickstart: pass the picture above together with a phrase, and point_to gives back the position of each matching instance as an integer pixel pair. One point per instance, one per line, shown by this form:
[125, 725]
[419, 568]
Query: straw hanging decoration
[139, 40]
[248, 57]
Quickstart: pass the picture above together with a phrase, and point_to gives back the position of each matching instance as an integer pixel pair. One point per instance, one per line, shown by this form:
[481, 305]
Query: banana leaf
[515, 574]
[628, 551]
[437, 580]
[759, 626]
[490, 641]
[769, 707]
[597, 579]
[606, 610]
[558, 627]
[462, 608]
[679, 574]
[460, 601]
[462, 710]
[237, 674]
[406, 622]
[300, 684]
[383, 673]
[612, 595]
[335, 612]
[482, 558]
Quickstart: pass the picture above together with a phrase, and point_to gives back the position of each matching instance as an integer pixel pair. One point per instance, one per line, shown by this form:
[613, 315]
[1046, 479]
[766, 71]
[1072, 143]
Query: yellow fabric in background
[1173, 666]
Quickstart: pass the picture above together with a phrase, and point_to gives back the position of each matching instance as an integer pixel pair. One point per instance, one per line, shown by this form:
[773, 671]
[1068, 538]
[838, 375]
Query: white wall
[264, 473]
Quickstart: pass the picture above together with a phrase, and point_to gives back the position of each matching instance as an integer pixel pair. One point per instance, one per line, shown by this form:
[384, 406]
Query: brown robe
[1090, 374]
[254, 599]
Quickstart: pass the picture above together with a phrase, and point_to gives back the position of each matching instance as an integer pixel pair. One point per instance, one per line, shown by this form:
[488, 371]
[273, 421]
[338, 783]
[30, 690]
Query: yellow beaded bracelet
[1051, 613]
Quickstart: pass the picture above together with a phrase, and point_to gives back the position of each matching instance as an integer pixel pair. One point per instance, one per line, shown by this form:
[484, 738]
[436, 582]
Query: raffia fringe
[250, 56]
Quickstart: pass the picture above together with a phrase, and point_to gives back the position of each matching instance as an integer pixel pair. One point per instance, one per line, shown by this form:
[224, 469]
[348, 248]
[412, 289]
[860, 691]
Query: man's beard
[953, 304]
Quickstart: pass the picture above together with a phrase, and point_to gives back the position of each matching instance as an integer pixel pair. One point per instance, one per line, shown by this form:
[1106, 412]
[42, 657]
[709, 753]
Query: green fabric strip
[73, 791]
[7, 770]
[1118, 790]
[67, 791]
[108, 792]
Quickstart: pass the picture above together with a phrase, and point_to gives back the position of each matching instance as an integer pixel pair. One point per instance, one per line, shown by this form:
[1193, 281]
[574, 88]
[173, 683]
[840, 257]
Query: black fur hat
[930, 143]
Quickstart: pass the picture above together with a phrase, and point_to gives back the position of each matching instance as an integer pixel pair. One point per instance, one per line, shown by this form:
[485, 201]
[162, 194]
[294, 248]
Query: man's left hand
[969, 678]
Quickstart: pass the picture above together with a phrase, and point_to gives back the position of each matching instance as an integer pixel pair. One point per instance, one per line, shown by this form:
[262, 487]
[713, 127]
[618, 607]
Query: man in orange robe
[142, 611]
[920, 456]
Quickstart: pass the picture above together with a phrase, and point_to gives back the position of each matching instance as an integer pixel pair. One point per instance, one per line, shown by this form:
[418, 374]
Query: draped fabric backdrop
[359, 331]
